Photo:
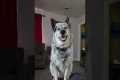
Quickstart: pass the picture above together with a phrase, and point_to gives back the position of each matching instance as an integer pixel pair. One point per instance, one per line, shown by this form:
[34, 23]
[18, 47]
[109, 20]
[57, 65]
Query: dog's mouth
[63, 38]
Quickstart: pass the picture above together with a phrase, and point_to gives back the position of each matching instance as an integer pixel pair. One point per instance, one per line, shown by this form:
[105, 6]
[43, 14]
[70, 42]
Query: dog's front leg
[66, 74]
[68, 70]
[53, 71]
[56, 76]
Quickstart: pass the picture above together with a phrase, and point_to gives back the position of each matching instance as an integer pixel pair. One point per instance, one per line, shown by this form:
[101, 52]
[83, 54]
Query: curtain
[38, 29]
[8, 24]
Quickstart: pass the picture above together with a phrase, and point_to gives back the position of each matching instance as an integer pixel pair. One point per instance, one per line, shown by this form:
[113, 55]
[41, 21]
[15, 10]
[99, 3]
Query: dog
[61, 59]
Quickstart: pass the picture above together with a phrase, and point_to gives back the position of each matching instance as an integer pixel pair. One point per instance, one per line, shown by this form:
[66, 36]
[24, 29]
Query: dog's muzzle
[63, 32]
[63, 36]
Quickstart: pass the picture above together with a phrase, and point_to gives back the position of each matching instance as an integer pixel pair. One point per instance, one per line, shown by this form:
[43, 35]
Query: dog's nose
[63, 32]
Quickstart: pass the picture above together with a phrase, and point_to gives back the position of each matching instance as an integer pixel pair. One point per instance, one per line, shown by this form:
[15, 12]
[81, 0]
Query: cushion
[75, 76]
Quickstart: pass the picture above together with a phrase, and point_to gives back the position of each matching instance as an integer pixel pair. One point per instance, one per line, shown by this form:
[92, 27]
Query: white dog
[61, 60]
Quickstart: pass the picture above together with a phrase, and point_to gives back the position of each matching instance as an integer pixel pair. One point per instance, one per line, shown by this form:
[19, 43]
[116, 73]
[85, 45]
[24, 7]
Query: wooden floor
[45, 74]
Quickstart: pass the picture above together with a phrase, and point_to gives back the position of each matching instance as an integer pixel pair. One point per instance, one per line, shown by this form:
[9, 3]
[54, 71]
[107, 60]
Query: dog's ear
[68, 21]
[53, 23]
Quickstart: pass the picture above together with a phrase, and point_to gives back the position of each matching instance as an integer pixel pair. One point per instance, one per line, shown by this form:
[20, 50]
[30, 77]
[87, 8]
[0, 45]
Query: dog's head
[62, 33]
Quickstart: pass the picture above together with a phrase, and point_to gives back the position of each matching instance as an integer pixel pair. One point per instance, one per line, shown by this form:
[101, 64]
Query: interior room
[46, 10]
[26, 35]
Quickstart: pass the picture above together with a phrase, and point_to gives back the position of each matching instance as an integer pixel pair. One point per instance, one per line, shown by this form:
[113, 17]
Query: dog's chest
[60, 60]
[59, 57]
[62, 57]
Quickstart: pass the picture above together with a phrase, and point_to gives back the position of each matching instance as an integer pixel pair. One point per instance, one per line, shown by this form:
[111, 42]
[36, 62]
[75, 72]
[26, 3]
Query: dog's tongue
[63, 38]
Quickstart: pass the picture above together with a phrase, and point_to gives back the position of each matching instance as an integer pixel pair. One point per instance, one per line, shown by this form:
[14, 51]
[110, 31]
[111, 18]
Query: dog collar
[61, 49]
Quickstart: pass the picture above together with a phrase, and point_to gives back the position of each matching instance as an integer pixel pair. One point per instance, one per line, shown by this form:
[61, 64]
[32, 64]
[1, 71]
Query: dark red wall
[38, 29]
[8, 23]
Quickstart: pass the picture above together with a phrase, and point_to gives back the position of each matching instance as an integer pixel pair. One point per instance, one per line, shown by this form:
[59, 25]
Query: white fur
[57, 59]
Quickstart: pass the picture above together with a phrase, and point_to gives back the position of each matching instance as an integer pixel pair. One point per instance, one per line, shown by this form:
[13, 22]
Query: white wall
[47, 29]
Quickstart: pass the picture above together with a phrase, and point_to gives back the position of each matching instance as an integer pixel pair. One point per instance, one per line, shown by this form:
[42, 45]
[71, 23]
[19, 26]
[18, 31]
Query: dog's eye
[58, 29]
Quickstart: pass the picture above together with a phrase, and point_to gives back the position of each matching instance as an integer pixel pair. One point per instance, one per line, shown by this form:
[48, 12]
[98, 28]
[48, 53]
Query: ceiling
[76, 7]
